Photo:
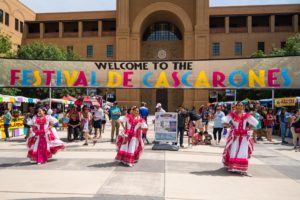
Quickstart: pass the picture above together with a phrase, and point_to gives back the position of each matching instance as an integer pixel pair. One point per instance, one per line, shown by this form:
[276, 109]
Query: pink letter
[127, 79]
[81, 80]
[13, 76]
[48, 76]
[218, 79]
[176, 80]
[272, 78]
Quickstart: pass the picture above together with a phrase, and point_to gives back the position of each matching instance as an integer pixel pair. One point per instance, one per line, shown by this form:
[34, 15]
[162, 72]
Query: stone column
[100, 28]
[295, 23]
[272, 23]
[61, 29]
[128, 97]
[42, 30]
[80, 29]
[188, 45]
[202, 49]
[227, 24]
[249, 24]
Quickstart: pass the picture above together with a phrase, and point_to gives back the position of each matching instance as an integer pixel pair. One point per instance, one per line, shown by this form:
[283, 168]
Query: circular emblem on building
[162, 54]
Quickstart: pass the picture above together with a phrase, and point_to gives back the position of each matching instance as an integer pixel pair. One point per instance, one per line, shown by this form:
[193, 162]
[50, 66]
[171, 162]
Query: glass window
[89, 51]
[70, 48]
[6, 19]
[216, 49]
[162, 31]
[238, 49]
[109, 51]
[21, 27]
[1, 16]
[283, 44]
[261, 46]
[16, 24]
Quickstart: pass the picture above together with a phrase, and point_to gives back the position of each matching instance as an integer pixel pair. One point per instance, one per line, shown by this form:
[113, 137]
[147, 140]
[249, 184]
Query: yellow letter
[162, 81]
[202, 80]
[114, 79]
[37, 77]
[71, 79]
[260, 80]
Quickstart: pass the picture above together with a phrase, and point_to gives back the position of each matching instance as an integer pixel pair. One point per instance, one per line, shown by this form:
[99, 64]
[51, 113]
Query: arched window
[162, 31]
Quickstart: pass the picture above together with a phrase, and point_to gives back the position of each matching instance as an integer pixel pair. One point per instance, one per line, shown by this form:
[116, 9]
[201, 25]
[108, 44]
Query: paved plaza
[83, 172]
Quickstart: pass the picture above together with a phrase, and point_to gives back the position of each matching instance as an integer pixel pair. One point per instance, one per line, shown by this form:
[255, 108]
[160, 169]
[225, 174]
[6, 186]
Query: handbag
[297, 130]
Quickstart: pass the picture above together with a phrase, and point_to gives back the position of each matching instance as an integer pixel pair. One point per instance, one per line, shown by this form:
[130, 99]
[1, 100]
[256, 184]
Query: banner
[282, 72]
[285, 102]
[15, 123]
[166, 127]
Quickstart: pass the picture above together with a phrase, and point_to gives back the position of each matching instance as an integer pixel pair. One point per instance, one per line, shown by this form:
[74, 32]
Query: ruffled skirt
[237, 152]
[42, 147]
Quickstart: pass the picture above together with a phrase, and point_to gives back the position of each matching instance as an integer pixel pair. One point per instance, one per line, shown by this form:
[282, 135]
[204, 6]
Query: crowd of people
[243, 125]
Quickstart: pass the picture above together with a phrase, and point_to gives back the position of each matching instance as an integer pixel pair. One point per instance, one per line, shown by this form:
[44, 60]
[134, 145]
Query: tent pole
[273, 100]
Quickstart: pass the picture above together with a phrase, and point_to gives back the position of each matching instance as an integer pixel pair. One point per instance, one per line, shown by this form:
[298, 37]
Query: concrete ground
[83, 172]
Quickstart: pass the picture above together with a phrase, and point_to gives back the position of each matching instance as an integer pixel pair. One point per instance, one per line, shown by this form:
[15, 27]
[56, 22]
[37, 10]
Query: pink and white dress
[239, 144]
[130, 143]
[43, 141]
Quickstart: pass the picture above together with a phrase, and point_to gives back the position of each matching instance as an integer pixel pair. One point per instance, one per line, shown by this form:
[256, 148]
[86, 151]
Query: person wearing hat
[114, 113]
[159, 108]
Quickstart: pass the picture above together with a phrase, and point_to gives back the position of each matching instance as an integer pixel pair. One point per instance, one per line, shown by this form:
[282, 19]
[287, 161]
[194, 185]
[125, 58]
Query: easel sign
[166, 127]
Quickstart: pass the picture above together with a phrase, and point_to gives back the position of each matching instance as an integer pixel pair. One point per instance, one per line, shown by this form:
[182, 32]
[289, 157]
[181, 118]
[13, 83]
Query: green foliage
[41, 51]
[275, 52]
[10, 91]
[258, 54]
[292, 46]
[5, 43]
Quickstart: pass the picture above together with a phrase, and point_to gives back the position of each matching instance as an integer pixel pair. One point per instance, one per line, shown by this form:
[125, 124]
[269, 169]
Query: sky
[42, 6]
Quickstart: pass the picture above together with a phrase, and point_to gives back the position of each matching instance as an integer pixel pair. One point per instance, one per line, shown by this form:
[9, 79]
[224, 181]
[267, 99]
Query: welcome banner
[281, 72]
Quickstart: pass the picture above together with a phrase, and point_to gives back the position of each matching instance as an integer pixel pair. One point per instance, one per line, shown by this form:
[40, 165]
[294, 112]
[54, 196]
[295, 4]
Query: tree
[5, 43]
[258, 54]
[9, 91]
[41, 51]
[292, 46]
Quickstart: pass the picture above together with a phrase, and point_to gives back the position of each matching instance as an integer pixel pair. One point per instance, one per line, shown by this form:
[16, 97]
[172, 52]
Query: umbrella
[69, 98]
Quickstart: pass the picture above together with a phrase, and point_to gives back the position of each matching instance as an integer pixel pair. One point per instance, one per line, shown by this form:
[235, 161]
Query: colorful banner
[15, 123]
[282, 72]
[166, 127]
[285, 102]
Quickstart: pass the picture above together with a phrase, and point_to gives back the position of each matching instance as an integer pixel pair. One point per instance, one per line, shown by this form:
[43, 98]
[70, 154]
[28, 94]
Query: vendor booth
[17, 123]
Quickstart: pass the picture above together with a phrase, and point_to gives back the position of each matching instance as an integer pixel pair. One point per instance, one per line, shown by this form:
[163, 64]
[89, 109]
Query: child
[191, 132]
[197, 138]
[207, 138]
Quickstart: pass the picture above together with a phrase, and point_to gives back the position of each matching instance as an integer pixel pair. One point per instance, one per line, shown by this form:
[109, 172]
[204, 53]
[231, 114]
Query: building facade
[158, 30]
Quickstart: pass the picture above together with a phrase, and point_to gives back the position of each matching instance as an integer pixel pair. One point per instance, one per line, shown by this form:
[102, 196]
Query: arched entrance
[161, 29]
[162, 41]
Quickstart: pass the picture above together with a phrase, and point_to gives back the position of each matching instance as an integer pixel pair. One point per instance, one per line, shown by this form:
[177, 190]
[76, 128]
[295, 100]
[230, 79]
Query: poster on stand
[166, 127]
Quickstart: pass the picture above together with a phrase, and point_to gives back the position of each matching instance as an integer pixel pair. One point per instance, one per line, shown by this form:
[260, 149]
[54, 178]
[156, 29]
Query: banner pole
[50, 95]
[273, 95]
[234, 96]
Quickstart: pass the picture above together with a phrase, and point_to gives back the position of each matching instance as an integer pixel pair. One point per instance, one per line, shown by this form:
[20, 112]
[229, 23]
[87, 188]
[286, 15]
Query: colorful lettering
[114, 79]
[184, 79]
[127, 80]
[162, 81]
[81, 80]
[146, 78]
[218, 79]
[70, 80]
[260, 79]
[13, 76]
[272, 78]
[202, 80]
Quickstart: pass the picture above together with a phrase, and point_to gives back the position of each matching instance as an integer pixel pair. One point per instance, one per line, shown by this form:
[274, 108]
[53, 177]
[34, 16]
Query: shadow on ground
[219, 172]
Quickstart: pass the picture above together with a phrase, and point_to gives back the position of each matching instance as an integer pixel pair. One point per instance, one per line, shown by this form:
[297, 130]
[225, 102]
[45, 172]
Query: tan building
[158, 30]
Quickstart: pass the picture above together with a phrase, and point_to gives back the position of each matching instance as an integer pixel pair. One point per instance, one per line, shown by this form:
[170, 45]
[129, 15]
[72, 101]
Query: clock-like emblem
[162, 54]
